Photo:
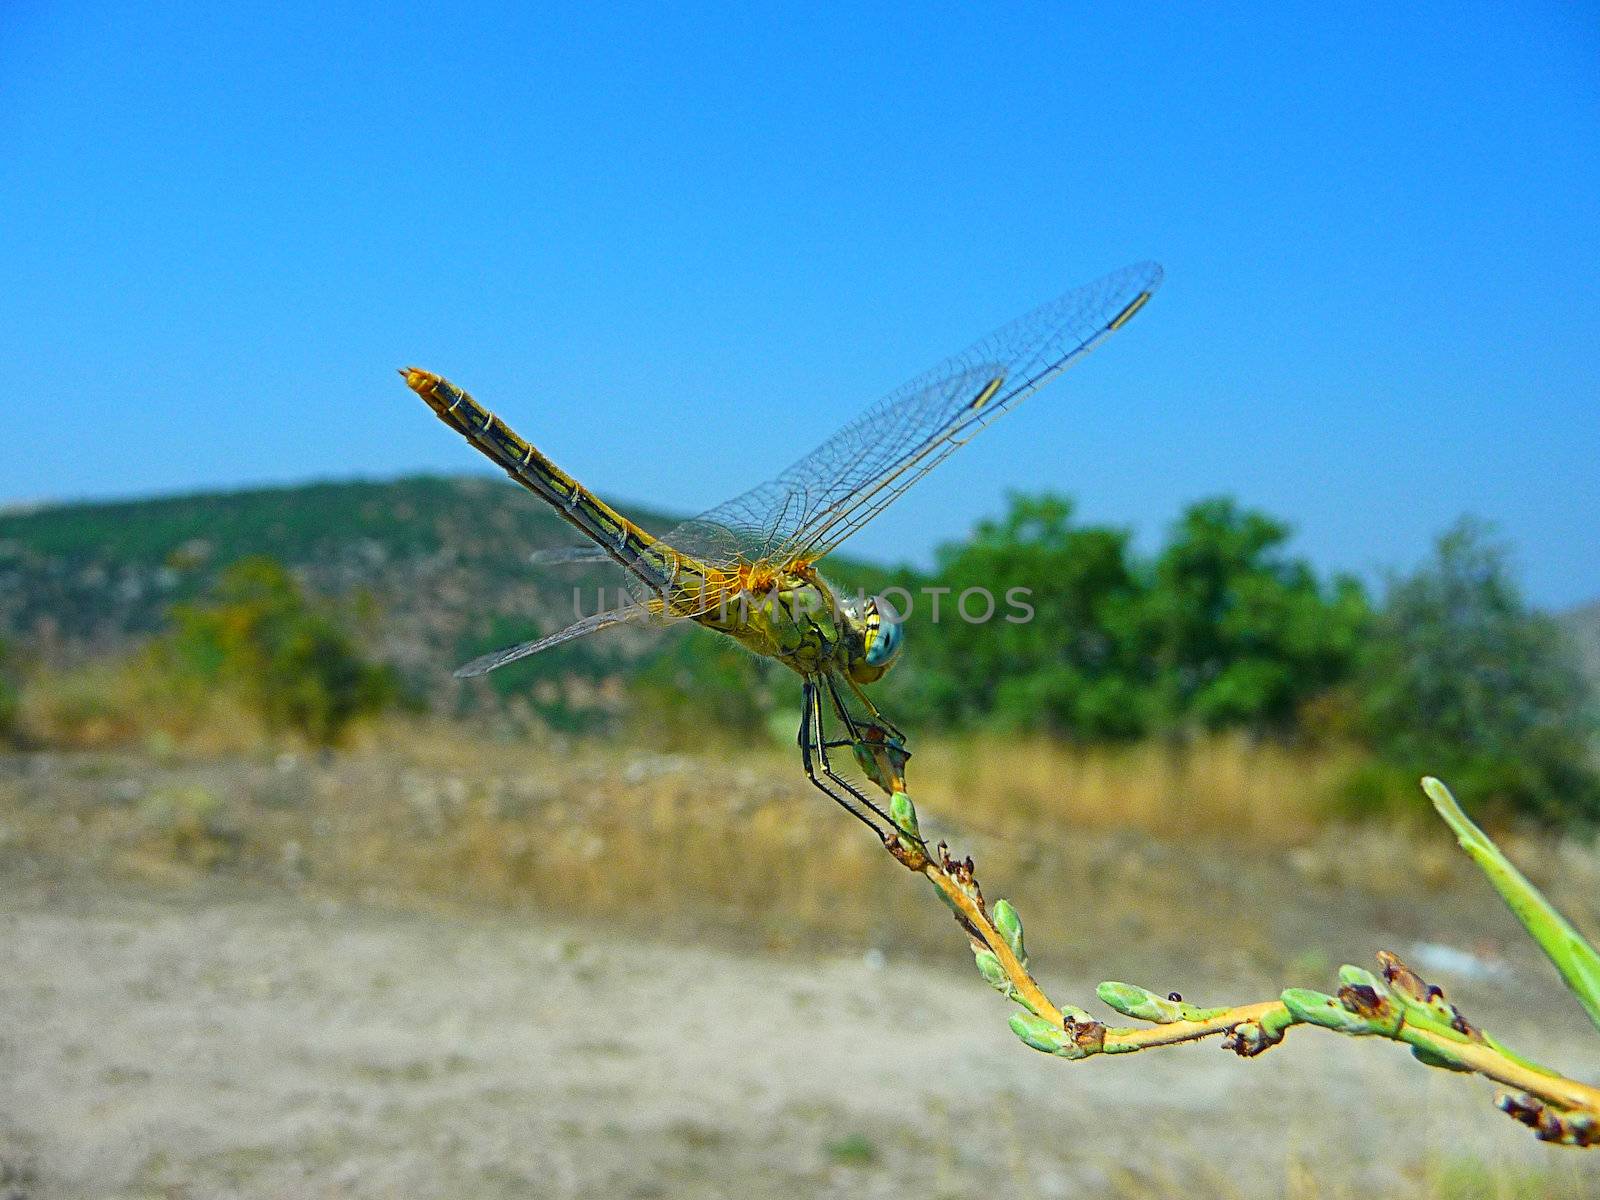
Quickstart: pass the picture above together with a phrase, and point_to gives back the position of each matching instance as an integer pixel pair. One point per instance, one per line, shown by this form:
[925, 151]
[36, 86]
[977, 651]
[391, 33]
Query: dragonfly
[749, 568]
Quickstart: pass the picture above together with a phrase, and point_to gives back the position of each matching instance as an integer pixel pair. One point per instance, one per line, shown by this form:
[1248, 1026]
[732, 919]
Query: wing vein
[823, 498]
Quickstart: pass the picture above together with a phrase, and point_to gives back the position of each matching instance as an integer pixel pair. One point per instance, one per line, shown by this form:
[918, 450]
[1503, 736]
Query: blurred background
[290, 911]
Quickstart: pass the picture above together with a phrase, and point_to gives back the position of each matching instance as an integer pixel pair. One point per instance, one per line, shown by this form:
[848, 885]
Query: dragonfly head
[882, 639]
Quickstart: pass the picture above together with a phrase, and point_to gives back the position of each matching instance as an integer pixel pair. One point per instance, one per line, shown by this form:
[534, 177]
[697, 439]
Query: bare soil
[491, 971]
[221, 1038]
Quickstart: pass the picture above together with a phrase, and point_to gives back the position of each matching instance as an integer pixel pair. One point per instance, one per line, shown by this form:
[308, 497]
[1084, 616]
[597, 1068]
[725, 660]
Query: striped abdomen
[655, 564]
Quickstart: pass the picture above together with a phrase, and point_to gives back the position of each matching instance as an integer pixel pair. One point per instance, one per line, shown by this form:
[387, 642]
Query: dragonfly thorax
[798, 618]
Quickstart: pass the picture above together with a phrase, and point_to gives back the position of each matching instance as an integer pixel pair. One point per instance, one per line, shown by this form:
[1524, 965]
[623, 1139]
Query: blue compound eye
[884, 648]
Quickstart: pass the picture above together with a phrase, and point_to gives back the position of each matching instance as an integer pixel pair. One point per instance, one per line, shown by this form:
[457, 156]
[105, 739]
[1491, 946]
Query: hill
[442, 561]
[439, 566]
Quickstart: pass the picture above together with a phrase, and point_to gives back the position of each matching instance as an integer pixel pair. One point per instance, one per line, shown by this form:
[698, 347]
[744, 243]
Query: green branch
[1576, 959]
[1395, 1004]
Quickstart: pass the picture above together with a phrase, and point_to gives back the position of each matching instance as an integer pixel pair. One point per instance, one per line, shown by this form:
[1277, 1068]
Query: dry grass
[1229, 786]
[737, 841]
[134, 702]
[1259, 792]
[729, 836]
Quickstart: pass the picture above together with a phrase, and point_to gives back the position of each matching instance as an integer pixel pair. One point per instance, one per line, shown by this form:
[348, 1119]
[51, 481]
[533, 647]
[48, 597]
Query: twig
[1399, 1006]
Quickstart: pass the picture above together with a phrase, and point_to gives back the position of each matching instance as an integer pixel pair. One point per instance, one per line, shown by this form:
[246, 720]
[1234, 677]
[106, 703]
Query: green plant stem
[1400, 1007]
[955, 882]
[1573, 956]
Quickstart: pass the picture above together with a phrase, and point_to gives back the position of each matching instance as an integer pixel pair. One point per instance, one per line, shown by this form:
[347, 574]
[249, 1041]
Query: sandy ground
[221, 1039]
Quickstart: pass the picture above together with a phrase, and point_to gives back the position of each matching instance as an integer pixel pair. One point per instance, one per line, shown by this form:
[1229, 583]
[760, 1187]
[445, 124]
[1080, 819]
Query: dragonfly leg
[814, 747]
[854, 739]
[850, 726]
[879, 725]
[878, 718]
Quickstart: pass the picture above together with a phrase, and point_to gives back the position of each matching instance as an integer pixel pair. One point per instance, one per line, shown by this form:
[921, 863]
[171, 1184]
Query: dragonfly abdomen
[651, 561]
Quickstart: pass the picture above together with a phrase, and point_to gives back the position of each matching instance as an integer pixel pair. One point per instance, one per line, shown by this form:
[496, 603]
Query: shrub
[291, 660]
[1222, 629]
[1070, 668]
[1461, 678]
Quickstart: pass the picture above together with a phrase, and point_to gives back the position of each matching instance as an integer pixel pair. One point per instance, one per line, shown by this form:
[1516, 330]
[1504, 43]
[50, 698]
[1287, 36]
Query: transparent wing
[836, 489]
[645, 598]
[510, 654]
[570, 554]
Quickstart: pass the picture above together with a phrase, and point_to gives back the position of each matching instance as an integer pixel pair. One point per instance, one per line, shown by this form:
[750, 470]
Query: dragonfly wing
[570, 554]
[645, 598]
[837, 488]
[510, 654]
[720, 537]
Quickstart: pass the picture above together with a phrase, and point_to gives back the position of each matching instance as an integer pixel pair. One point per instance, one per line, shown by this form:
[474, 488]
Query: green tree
[1054, 654]
[1236, 632]
[1463, 681]
[292, 660]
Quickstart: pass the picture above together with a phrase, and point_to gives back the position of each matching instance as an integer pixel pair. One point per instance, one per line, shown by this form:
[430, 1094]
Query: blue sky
[677, 246]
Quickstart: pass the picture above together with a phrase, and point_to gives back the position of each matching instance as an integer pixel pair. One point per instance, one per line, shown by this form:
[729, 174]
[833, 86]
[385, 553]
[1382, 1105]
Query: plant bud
[882, 758]
[1431, 1058]
[991, 970]
[904, 815]
[1133, 1001]
[1010, 927]
[1357, 977]
[1318, 1008]
[1042, 1035]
